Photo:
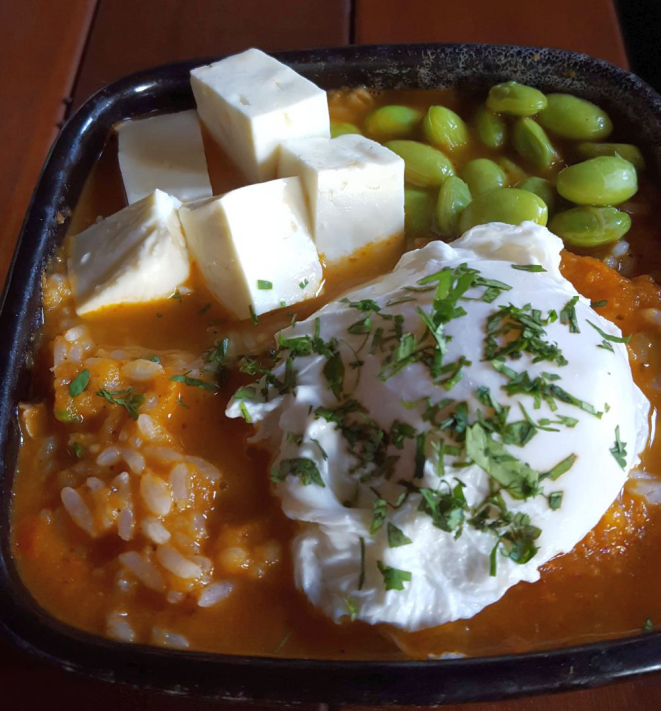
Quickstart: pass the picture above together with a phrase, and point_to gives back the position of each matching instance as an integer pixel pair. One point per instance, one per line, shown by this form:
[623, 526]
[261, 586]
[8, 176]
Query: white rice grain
[205, 563]
[165, 638]
[75, 354]
[149, 429]
[108, 457]
[73, 334]
[78, 510]
[179, 483]
[118, 627]
[214, 593]
[134, 460]
[146, 572]
[155, 530]
[174, 596]
[156, 494]
[59, 351]
[93, 483]
[141, 370]
[205, 468]
[119, 354]
[126, 524]
[177, 564]
[163, 455]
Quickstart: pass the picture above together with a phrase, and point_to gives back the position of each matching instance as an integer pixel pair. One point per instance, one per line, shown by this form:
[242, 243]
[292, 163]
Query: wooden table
[55, 53]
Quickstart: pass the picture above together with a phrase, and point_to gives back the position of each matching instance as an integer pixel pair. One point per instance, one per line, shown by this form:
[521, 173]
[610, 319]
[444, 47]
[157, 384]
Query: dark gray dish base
[633, 106]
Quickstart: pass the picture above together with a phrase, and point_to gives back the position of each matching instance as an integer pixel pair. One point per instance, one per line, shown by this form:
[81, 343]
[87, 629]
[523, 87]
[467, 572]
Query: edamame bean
[542, 188]
[490, 128]
[508, 205]
[392, 122]
[483, 175]
[453, 197]
[425, 166]
[418, 212]
[578, 119]
[590, 226]
[515, 99]
[622, 150]
[606, 180]
[444, 129]
[513, 173]
[340, 128]
[531, 142]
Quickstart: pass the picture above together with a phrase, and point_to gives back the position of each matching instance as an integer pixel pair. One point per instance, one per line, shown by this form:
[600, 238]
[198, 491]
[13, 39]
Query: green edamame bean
[453, 197]
[606, 180]
[531, 142]
[578, 119]
[515, 99]
[444, 129]
[340, 128]
[483, 175]
[622, 150]
[490, 128]
[513, 173]
[542, 188]
[508, 205]
[392, 122]
[590, 226]
[425, 166]
[418, 212]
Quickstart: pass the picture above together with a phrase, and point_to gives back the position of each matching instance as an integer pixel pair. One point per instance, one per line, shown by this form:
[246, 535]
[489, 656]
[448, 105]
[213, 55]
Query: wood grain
[41, 46]
[588, 26]
[128, 35]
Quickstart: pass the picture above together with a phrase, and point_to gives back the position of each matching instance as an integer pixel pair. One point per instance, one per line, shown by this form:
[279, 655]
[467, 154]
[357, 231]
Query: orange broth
[606, 587]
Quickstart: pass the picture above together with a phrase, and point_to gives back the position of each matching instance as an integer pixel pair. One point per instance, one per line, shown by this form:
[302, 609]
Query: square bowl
[473, 67]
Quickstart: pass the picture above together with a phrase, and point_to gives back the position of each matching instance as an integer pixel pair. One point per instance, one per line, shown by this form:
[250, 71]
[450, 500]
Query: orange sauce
[606, 587]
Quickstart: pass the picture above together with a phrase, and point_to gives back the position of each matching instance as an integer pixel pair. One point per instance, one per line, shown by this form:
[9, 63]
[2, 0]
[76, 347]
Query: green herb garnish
[264, 285]
[619, 450]
[79, 383]
[529, 267]
[305, 469]
[131, 403]
[568, 315]
[195, 383]
[393, 578]
[397, 537]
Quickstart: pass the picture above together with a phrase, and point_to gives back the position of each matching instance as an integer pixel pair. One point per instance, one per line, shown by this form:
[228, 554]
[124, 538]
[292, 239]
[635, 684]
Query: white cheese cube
[355, 189]
[250, 103]
[163, 153]
[136, 255]
[253, 246]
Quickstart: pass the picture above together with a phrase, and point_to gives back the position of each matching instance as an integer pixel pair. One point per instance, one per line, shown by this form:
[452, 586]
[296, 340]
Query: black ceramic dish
[633, 105]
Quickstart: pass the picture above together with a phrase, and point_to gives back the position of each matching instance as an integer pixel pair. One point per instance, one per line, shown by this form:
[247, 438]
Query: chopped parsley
[244, 412]
[397, 537]
[78, 450]
[530, 326]
[305, 469]
[555, 500]
[598, 304]
[264, 285]
[195, 382]
[568, 315]
[447, 509]
[559, 469]
[130, 400]
[393, 578]
[519, 479]
[350, 607]
[79, 383]
[608, 337]
[181, 403]
[303, 284]
[153, 358]
[619, 450]
[253, 315]
[361, 577]
[648, 625]
[378, 515]
[529, 267]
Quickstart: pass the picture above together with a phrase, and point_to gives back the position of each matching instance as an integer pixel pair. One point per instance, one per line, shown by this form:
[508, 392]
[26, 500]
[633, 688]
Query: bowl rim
[225, 676]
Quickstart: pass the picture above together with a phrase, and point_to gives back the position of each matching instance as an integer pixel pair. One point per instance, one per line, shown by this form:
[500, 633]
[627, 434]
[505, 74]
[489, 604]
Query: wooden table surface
[55, 53]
